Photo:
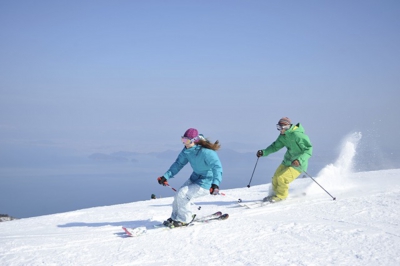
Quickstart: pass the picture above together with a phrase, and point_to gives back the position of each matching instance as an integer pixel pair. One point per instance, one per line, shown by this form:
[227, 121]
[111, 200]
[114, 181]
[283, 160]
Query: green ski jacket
[298, 147]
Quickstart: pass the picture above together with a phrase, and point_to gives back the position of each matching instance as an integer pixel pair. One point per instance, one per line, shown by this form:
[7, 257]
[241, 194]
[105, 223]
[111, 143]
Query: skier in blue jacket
[206, 176]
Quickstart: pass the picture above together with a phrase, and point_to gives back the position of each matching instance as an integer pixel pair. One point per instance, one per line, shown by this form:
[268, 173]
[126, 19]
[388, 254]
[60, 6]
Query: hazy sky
[105, 76]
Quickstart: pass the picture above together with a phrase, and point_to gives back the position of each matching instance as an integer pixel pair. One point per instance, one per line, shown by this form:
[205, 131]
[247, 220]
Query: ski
[196, 220]
[261, 203]
[137, 231]
[142, 230]
[216, 218]
[207, 217]
[253, 204]
[256, 204]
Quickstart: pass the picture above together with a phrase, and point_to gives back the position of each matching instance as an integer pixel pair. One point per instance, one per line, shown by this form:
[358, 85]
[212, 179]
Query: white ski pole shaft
[225, 195]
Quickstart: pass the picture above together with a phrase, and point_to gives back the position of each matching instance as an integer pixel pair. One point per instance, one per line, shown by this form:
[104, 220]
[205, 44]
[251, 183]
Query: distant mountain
[115, 157]
[227, 155]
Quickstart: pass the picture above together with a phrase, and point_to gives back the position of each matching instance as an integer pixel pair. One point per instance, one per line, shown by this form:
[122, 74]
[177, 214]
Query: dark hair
[207, 144]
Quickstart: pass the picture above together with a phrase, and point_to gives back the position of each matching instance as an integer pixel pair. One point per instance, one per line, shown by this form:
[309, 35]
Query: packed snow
[360, 227]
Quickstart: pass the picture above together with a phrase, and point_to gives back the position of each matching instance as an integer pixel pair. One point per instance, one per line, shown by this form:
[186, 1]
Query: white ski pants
[181, 209]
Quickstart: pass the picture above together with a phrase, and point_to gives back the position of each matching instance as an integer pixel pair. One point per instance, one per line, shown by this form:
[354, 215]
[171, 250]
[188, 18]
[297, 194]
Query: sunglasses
[280, 127]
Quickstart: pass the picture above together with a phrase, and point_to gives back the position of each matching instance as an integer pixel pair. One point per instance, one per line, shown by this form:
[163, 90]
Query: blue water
[102, 184]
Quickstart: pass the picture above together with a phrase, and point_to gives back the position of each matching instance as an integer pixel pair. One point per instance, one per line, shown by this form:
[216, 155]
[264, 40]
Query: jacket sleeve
[213, 161]
[274, 147]
[306, 146]
[179, 163]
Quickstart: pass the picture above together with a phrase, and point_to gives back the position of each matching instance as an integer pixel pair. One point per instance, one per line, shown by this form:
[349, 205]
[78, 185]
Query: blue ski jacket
[207, 168]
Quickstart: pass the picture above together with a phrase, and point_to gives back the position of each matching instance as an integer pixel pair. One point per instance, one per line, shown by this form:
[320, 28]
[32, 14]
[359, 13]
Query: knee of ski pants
[181, 196]
[281, 180]
[287, 176]
[190, 191]
[292, 175]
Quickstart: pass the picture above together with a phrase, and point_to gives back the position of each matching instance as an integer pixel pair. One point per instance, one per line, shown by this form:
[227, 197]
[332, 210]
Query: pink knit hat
[191, 133]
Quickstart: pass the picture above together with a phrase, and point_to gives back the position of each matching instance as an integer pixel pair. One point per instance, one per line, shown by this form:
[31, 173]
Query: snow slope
[360, 228]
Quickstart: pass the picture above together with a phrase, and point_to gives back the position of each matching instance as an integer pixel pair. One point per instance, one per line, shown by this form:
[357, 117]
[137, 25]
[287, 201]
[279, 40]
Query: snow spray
[337, 175]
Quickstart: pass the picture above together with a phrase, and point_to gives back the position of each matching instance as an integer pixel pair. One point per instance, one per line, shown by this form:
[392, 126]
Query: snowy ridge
[361, 227]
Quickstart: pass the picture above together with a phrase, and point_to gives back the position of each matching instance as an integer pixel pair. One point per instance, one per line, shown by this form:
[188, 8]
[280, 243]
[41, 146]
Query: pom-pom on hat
[191, 133]
[284, 121]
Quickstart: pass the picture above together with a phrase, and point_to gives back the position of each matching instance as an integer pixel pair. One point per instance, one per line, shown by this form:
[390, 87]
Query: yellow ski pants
[283, 176]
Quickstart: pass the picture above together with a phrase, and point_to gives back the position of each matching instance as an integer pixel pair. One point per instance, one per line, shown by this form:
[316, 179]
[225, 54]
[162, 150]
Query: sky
[101, 76]
[360, 227]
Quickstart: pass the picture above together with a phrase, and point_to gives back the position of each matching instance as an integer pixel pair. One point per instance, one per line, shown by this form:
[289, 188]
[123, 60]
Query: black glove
[260, 153]
[162, 181]
[296, 163]
[214, 189]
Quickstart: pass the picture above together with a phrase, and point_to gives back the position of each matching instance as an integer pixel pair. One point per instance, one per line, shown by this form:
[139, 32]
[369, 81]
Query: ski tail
[223, 216]
[138, 231]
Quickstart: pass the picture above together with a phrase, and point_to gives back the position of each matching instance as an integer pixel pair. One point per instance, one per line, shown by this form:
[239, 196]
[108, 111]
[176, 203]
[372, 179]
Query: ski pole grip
[160, 181]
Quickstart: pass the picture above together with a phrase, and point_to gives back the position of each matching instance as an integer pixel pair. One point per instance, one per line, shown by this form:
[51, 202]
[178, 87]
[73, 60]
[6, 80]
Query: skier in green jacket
[295, 161]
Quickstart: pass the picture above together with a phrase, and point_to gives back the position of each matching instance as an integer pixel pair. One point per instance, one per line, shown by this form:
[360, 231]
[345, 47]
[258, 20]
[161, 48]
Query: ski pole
[171, 187]
[253, 172]
[198, 207]
[166, 184]
[223, 194]
[334, 198]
